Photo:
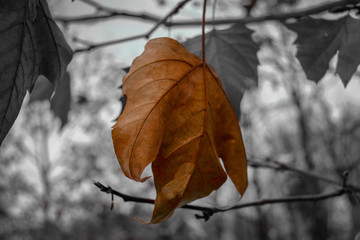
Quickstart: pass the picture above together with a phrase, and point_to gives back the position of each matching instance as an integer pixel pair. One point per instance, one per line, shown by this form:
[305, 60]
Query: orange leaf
[178, 118]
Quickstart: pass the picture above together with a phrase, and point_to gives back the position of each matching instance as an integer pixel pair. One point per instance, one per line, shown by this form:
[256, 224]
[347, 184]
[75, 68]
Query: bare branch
[108, 13]
[92, 46]
[298, 198]
[105, 16]
[277, 17]
[273, 164]
[116, 12]
[208, 212]
[171, 13]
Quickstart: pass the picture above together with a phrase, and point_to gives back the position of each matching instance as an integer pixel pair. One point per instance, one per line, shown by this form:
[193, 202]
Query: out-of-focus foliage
[232, 53]
[319, 40]
[31, 45]
[303, 127]
[60, 102]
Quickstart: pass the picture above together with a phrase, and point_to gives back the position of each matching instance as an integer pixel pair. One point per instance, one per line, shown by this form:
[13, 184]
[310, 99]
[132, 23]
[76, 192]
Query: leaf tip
[144, 178]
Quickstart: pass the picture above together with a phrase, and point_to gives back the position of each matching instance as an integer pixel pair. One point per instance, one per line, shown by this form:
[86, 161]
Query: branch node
[100, 186]
[206, 214]
[107, 190]
[112, 198]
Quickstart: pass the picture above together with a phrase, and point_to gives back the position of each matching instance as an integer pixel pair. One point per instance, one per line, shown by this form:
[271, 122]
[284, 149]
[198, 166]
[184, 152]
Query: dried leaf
[178, 118]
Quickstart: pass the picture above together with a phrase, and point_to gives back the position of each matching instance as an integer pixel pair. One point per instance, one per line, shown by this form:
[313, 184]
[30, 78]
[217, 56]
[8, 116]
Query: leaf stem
[213, 12]
[203, 33]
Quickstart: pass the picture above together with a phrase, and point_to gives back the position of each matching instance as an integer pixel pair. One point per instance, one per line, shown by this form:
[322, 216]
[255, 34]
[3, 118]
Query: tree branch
[333, 6]
[171, 13]
[105, 16]
[92, 46]
[108, 13]
[273, 164]
[207, 212]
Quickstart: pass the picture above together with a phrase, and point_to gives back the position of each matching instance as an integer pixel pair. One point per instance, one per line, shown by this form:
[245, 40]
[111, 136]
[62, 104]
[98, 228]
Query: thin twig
[92, 46]
[299, 198]
[107, 13]
[170, 14]
[116, 12]
[208, 212]
[282, 166]
[89, 18]
[273, 164]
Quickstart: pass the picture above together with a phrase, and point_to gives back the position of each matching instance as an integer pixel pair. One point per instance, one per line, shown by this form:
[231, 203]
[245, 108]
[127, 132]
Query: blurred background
[56, 149]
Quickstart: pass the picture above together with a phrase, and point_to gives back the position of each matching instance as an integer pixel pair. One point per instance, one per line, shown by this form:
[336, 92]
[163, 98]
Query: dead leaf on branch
[178, 118]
